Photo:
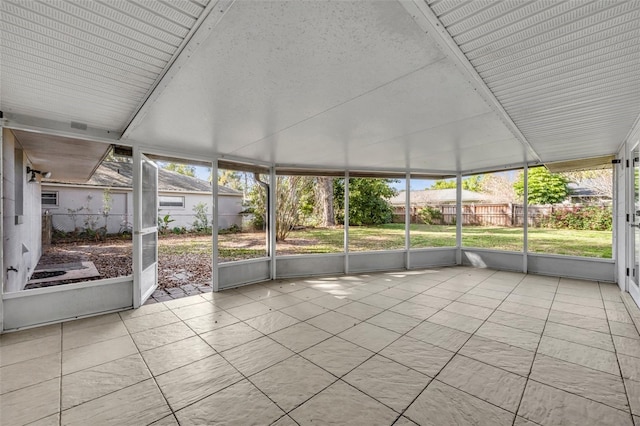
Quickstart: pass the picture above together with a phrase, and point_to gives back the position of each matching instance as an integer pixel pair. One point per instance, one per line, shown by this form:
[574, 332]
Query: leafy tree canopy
[544, 187]
[230, 179]
[471, 183]
[368, 200]
[182, 169]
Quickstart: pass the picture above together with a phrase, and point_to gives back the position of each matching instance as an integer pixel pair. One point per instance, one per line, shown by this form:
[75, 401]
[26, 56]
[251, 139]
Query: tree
[230, 179]
[472, 183]
[182, 169]
[544, 187]
[294, 202]
[324, 201]
[600, 181]
[368, 200]
[499, 188]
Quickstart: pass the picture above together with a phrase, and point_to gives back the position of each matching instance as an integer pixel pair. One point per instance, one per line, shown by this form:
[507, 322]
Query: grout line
[535, 354]
[624, 382]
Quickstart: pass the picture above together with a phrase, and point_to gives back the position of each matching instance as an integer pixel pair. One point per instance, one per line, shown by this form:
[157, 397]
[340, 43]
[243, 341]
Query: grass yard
[391, 236]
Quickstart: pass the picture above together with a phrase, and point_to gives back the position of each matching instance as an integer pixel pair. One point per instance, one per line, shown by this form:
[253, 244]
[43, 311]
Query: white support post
[1, 230]
[459, 219]
[346, 222]
[137, 226]
[273, 182]
[407, 222]
[525, 219]
[215, 258]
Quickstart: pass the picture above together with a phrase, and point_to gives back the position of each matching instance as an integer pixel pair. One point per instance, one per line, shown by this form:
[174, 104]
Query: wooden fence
[506, 214]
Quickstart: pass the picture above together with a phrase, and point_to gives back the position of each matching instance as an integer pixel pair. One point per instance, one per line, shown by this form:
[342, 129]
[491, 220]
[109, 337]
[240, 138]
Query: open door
[145, 240]
[633, 262]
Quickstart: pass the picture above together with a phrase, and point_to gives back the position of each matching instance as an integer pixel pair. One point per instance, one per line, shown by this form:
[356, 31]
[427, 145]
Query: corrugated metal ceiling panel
[567, 73]
[91, 62]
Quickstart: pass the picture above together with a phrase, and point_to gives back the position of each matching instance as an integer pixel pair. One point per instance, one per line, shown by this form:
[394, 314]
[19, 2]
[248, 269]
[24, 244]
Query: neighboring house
[81, 205]
[585, 193]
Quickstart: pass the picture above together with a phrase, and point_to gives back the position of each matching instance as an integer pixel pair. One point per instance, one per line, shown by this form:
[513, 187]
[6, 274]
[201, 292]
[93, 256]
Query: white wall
[229, 210]
[22, 244]
[70, 197]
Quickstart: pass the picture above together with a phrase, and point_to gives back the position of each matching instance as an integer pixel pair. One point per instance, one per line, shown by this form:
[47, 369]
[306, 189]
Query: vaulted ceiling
[436, 85]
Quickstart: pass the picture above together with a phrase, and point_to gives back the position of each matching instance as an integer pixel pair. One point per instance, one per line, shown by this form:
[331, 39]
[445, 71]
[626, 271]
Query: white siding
[122, 208]
[22, 244]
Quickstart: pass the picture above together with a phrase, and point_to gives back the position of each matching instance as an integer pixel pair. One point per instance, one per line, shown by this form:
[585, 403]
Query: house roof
[120, 175]
[436, 196]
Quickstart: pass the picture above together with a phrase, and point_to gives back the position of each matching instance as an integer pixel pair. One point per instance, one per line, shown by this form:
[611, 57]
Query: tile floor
[449, 346]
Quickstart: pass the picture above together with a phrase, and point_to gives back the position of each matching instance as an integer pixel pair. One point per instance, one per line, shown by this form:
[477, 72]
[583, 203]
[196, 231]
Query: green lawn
[391, 236]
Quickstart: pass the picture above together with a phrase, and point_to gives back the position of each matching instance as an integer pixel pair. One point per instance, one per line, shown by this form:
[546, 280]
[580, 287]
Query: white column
[346, 222]
[525, 214]
[407, 222]
[273, 182]
[459, 219]
[215, 258]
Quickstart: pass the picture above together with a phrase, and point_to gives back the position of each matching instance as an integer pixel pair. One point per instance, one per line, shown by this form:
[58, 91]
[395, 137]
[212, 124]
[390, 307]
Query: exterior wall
[92, 202]
[121, 212]
[22, 246]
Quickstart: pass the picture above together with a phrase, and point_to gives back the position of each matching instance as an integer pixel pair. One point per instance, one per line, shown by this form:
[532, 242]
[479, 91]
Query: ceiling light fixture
[33, 172]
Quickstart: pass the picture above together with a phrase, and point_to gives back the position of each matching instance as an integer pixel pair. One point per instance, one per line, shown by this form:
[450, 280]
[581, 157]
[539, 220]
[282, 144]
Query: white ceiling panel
[567, 73]
[445, 85]
[386, 122]
[91, 62]
[314, 83]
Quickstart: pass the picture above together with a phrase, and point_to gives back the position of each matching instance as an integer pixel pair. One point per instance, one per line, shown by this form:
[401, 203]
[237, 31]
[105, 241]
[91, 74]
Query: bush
[594, 218]
[201, 222]
[430, 215]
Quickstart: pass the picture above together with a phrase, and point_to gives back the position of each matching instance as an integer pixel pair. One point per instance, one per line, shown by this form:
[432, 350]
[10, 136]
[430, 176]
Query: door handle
[636, 225]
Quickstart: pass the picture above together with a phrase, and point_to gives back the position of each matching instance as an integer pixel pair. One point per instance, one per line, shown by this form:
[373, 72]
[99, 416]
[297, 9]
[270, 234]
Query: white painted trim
[67, 287]
[59, 128]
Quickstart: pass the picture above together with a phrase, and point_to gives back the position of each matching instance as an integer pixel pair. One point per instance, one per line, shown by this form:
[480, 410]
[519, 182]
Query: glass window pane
[171, 201]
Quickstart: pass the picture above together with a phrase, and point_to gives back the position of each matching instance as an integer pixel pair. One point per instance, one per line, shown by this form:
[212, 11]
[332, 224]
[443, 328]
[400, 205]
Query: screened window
[49, 198]
[171, 201]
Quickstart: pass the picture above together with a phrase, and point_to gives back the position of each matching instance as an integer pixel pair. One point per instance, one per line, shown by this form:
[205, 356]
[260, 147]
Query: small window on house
[171, 201]
[49, 198]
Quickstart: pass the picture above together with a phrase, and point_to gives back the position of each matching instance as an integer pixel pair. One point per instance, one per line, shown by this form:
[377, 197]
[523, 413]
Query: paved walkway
[448, 346]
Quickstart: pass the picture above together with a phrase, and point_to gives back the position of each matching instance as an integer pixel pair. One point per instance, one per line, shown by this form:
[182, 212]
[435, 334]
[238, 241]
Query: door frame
[633, 275]
[142, 291]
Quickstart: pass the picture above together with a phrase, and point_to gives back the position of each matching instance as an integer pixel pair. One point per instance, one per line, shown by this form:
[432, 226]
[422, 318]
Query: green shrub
[430, 215]
[594, 218]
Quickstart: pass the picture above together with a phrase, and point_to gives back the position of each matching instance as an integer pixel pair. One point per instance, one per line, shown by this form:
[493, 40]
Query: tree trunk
[325, 186]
